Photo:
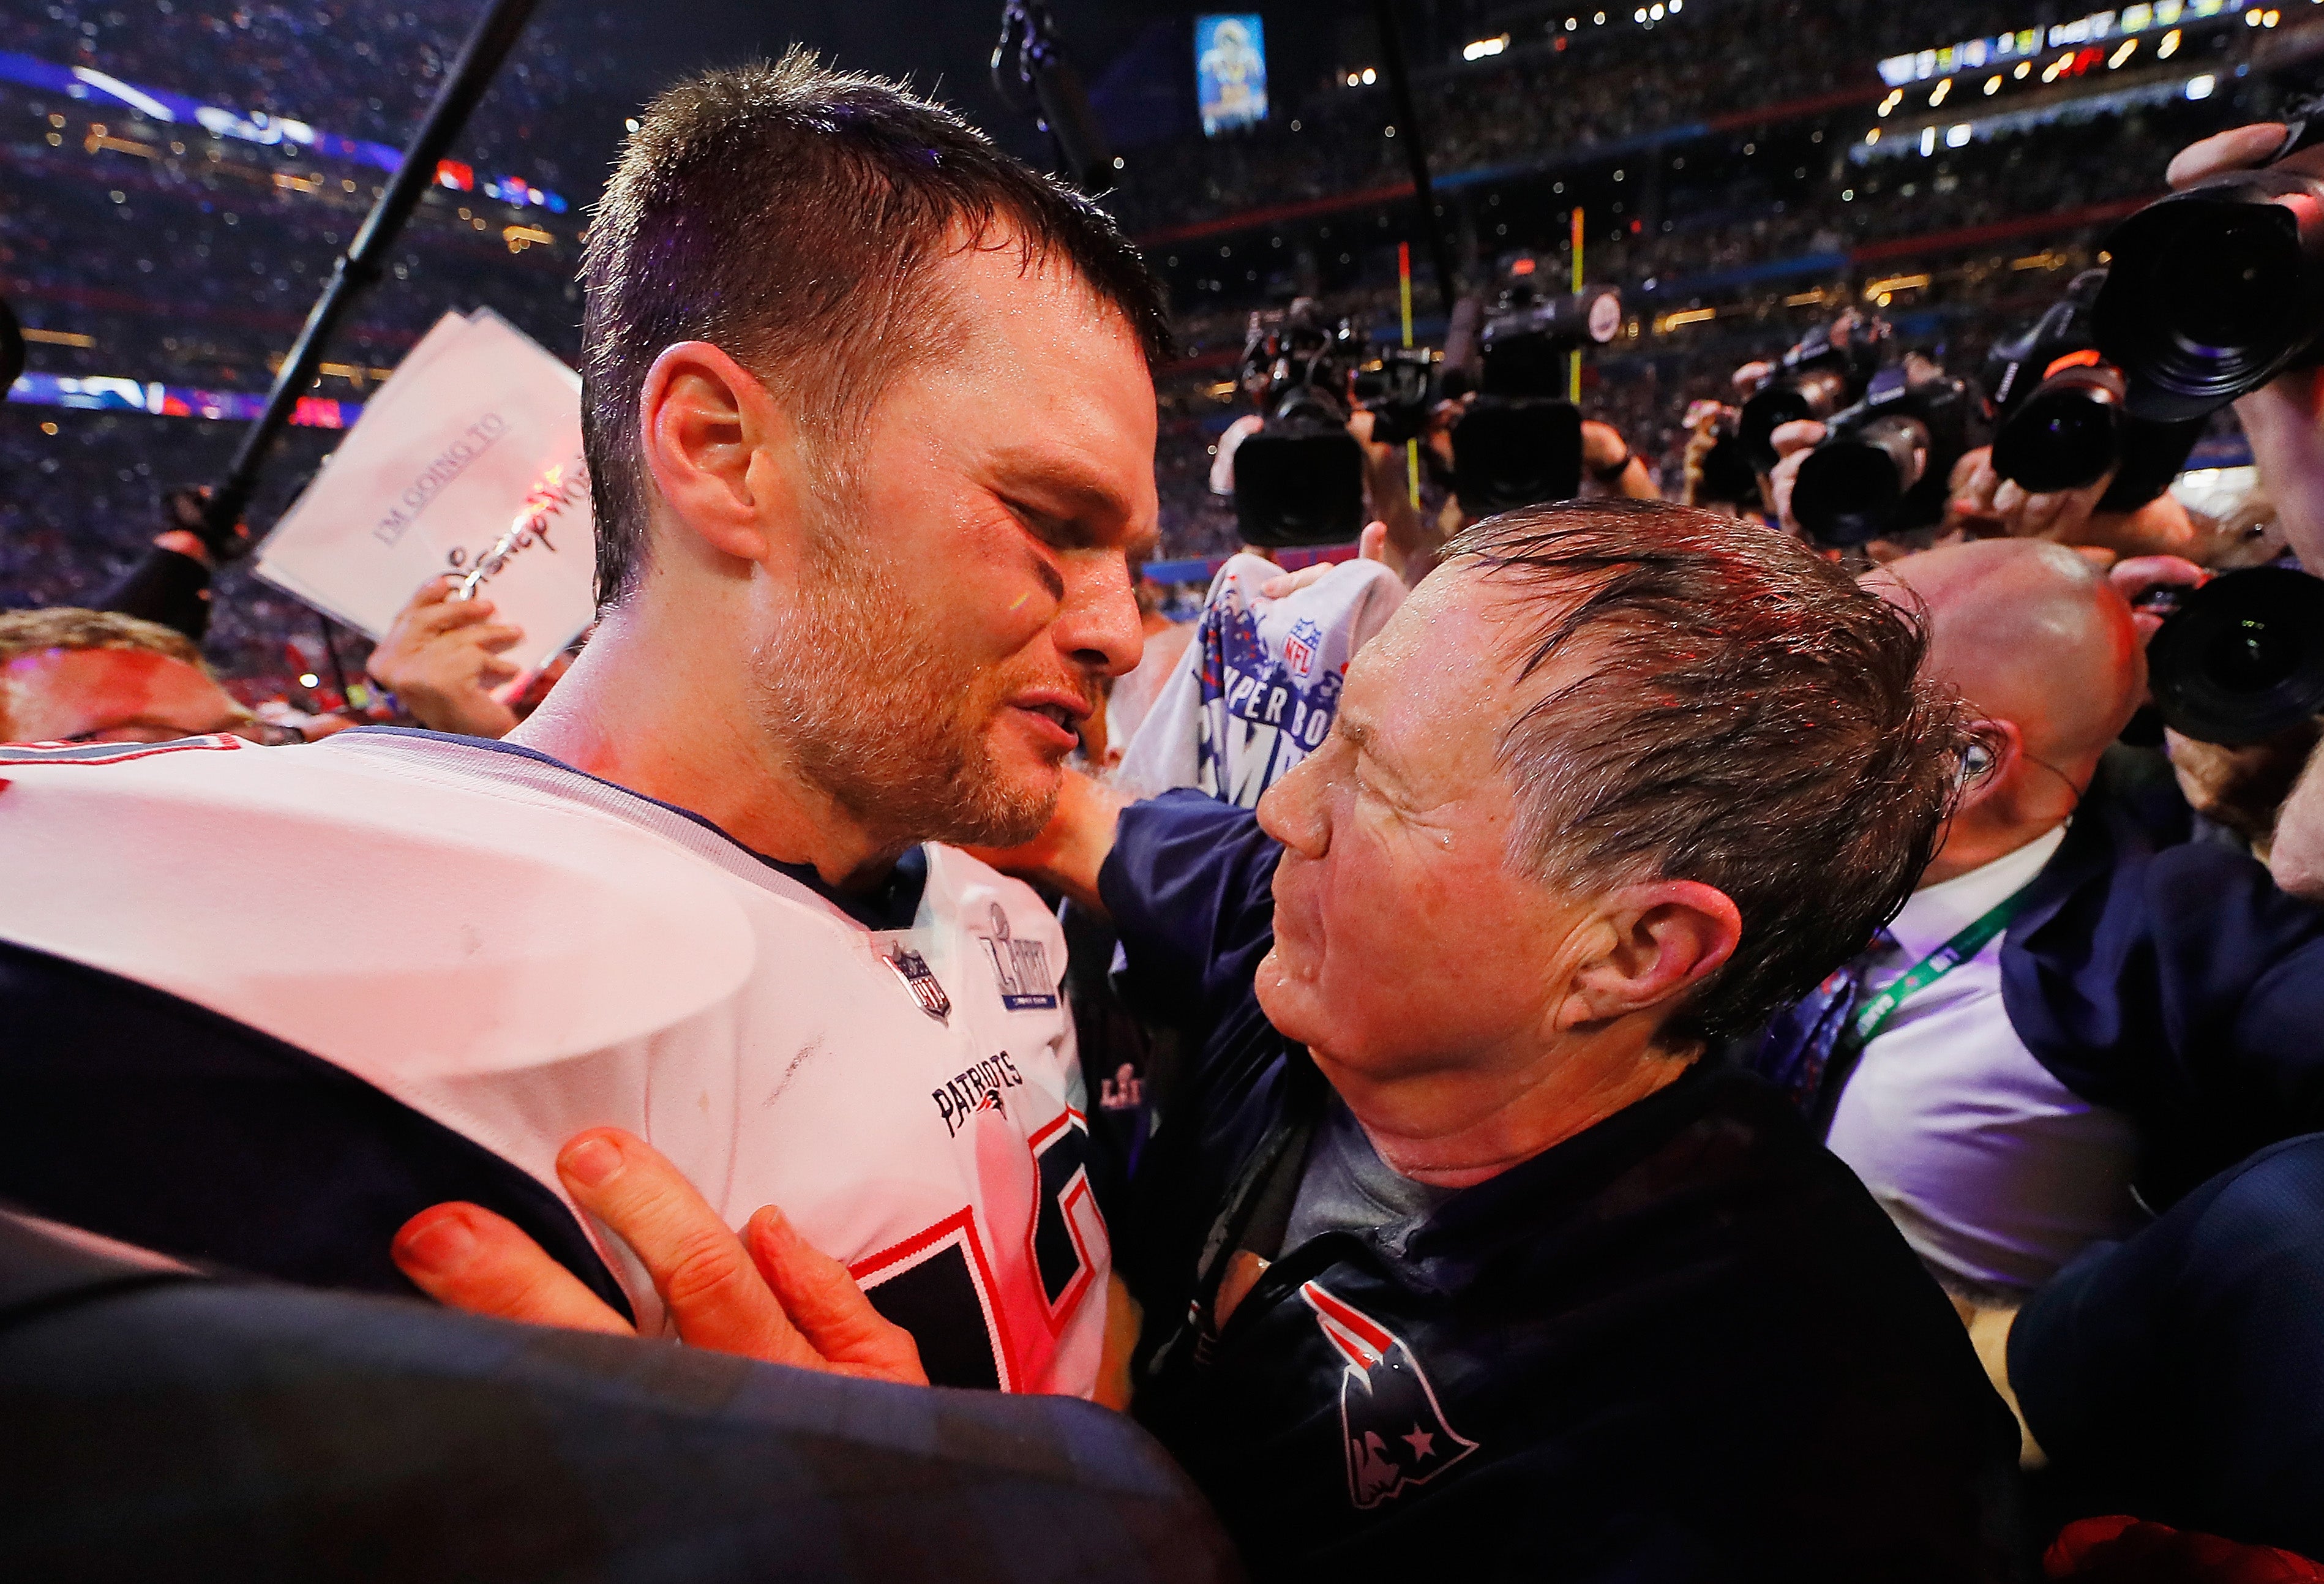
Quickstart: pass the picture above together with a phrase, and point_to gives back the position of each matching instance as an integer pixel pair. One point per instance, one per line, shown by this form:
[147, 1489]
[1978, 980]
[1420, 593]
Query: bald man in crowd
[2074, 1004]
[2075, 1020]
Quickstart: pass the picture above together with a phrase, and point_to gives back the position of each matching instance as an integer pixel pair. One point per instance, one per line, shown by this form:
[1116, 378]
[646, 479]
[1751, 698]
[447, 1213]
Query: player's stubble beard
[878, 708]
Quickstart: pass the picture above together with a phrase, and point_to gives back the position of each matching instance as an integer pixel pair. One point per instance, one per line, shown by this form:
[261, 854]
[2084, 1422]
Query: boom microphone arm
[496, 32]
[1416, 147]
[1058, 100]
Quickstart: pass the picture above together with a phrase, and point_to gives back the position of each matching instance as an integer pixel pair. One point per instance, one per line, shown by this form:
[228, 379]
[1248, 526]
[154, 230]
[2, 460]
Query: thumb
[830, 1311]
[1372, 544]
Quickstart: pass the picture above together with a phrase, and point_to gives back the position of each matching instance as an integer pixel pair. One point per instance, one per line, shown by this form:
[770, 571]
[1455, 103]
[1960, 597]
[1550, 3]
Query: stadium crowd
[1749, 1012]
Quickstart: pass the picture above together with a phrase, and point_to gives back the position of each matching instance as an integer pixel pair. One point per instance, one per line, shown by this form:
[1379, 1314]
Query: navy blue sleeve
[2184, 988]
[2159, 1372]
[1188, 886]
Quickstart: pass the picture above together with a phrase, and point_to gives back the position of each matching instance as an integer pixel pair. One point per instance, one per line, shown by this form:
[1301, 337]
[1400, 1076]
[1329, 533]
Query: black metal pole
[496, 32]
[1416, 147]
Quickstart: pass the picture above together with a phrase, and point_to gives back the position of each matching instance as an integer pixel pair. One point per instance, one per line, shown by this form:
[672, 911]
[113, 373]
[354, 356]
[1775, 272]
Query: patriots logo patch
[1393, 1431]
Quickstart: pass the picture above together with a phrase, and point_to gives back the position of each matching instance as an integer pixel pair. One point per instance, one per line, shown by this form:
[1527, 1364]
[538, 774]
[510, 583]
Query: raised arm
[1070, 850]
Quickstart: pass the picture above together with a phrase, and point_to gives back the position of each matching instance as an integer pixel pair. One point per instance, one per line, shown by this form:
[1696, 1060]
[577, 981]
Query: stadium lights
[2099, 27]
[2129, 47]
[1993, 85]
[1480, 48]
[1937, 96]
[1956, 135]
[2199, 87]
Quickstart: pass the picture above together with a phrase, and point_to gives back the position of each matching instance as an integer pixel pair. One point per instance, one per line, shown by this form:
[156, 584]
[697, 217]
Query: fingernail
[440, 1244]
[591, 1162]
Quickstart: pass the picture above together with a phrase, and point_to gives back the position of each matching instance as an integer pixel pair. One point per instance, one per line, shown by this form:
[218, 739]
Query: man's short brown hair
[68, 627]
[789, 214]
[1747, 717]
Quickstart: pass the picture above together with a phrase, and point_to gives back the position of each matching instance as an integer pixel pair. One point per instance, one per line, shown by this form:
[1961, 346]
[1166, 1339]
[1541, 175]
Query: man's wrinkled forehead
[1448, 675]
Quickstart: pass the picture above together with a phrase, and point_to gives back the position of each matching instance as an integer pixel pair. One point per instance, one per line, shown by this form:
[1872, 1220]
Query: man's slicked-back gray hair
[789, 214]
[1743, 714]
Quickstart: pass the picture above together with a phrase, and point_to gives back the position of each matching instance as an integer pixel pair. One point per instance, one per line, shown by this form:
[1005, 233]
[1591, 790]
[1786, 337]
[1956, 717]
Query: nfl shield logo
[921, 980]
[1299, 650]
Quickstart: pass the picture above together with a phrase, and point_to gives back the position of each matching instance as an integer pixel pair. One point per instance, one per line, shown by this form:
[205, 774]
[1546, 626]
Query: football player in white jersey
[869, 424]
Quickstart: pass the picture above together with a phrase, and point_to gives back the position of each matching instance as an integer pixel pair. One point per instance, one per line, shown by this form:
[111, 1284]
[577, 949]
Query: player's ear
[719, 447]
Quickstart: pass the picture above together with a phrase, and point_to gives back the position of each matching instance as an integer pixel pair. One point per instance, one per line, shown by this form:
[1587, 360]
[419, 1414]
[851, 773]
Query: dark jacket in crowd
[1683, 1343]
[2169, 980]
[162, 1425]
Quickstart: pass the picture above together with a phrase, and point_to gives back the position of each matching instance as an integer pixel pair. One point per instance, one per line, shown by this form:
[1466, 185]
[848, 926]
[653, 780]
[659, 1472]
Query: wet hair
[793, 216]
[1743, 715]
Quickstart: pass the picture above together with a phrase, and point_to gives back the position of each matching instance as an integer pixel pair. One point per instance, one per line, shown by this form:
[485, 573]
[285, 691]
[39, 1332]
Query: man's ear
[1988, 765]
[717, 445]
[1653, 943]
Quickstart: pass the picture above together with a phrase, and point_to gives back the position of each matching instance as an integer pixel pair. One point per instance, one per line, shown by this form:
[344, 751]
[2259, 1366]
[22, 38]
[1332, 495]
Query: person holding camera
[2283, 419]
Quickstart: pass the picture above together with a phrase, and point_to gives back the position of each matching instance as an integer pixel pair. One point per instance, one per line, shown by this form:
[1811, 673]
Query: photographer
[2284, 422]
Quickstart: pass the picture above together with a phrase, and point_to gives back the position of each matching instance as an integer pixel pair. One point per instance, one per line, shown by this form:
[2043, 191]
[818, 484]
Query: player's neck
[666, 719]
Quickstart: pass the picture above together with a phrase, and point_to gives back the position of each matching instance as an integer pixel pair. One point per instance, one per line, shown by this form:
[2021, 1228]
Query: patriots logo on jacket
[1394, 1434]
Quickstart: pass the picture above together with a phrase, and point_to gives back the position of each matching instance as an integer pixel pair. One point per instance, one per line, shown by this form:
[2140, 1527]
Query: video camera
[1519, 442]
[1300, 479]
[2240, 658]
[2063, 420]
[1885, 465]
[2217, 289]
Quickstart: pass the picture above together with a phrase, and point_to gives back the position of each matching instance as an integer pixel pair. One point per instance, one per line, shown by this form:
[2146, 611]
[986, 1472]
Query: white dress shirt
[1997, 1173]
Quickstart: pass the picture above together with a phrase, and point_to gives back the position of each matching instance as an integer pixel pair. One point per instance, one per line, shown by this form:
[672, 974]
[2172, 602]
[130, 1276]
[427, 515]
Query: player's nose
[1098, 625]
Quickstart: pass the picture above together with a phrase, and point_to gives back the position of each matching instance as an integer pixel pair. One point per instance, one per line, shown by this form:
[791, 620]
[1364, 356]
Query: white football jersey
[519, 950]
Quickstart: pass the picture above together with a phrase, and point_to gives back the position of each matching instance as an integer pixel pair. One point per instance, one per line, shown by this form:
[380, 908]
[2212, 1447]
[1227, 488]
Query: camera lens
[1850, 487]
[2242, 658]
[2212, 291]
[2252, 654]
[2068, 434]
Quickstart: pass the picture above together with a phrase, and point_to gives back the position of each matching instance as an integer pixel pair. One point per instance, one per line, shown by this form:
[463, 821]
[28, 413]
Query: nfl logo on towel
[1299, 648]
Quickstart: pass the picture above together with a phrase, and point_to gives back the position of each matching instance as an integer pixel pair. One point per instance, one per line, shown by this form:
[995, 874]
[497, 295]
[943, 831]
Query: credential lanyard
[1874, 1014]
